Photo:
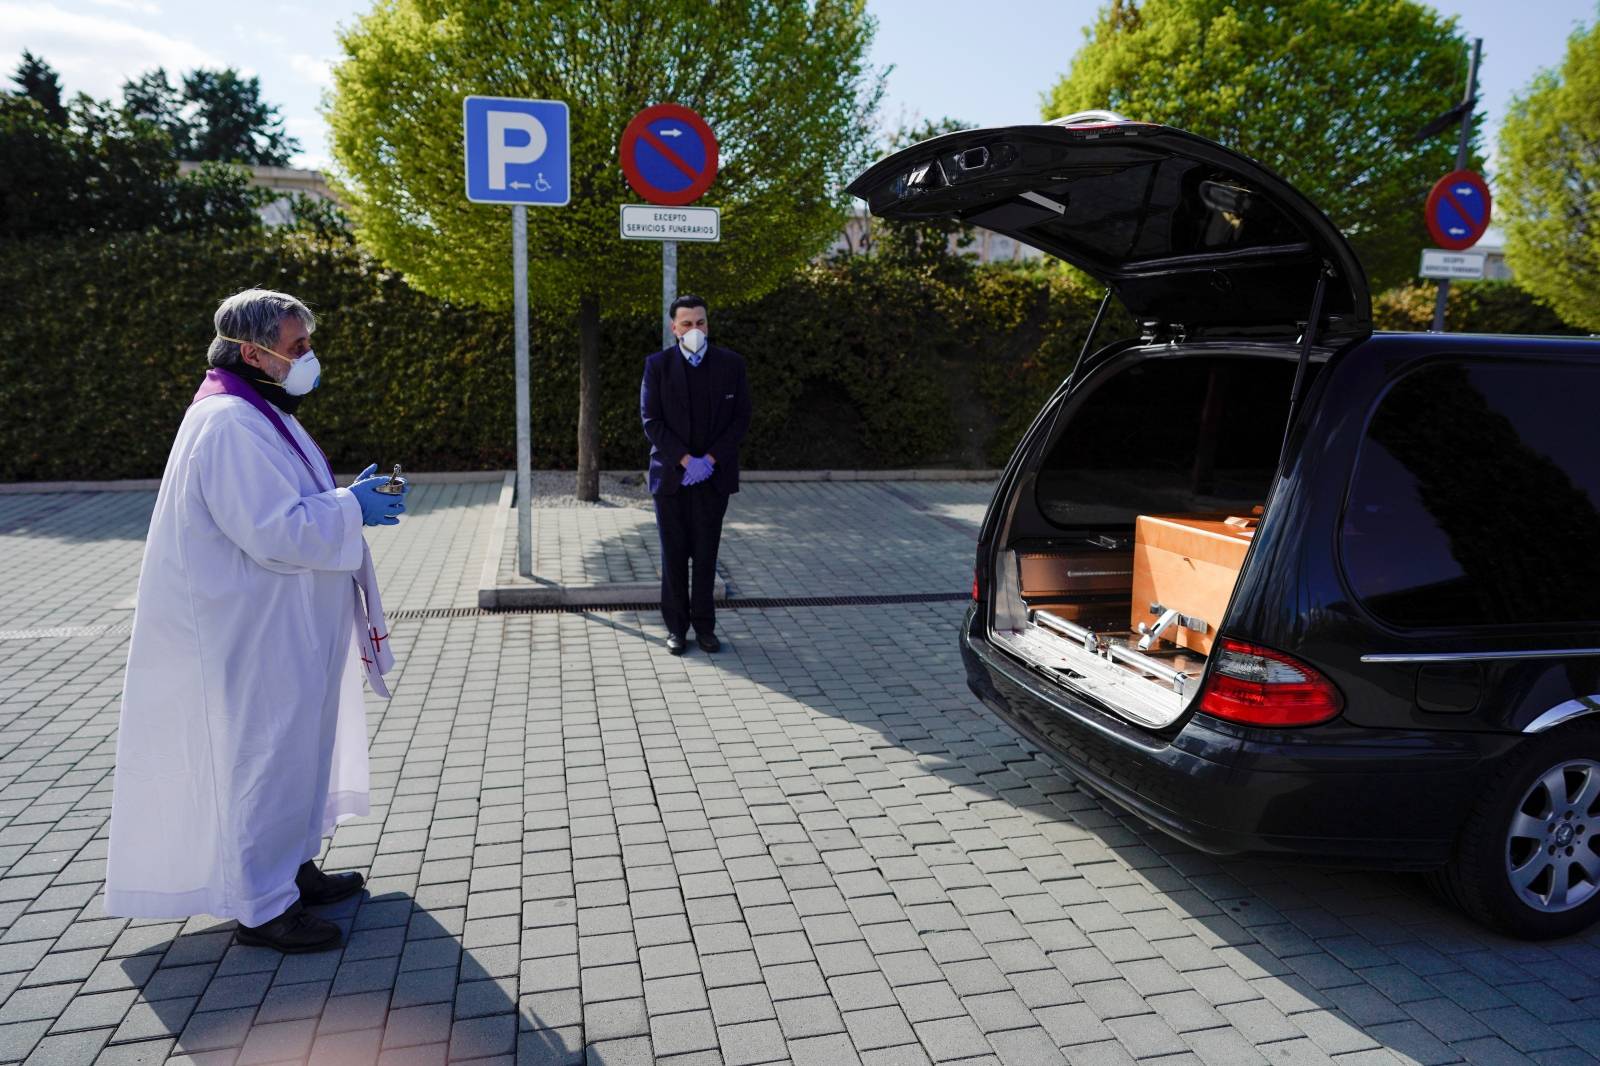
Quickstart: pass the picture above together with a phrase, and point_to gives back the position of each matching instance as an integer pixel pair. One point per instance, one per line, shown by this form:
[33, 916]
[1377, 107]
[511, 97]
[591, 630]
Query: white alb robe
[243, 731]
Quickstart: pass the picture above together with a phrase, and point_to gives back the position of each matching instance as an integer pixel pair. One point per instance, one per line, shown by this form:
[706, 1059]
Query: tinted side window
[1476, 498]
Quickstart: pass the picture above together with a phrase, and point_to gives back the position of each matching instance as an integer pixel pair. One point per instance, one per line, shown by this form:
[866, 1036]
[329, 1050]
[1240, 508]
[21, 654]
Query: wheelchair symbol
[540, 184]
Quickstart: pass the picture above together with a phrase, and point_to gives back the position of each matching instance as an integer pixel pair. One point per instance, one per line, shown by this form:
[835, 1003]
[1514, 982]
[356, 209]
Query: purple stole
[220, 382]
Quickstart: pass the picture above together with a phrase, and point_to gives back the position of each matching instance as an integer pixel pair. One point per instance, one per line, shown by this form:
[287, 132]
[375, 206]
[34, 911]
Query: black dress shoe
[318, 888]
[294, 931]
[708, 642]
[675, 644]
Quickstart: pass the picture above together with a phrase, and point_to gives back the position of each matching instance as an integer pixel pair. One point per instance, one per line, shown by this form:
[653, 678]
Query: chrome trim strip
[1478, 656]
[1564, 712]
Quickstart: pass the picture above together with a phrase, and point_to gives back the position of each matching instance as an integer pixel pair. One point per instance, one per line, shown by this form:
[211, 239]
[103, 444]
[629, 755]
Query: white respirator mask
[305, 373]
[694, 340]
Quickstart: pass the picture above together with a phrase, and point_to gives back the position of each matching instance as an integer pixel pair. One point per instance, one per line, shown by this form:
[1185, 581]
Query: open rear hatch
[1199, 243]
[1184, 231]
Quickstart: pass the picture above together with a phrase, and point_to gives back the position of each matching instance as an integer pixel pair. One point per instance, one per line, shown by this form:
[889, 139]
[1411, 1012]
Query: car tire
[1528, 862]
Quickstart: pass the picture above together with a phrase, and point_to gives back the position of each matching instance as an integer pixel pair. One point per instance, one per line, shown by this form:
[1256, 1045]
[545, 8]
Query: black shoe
[676, 644]
[708, 642]
[318, 888]
[294, 931]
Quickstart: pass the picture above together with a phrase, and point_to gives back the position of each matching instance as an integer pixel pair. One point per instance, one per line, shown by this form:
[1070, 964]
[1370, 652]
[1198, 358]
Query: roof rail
[1085, 118]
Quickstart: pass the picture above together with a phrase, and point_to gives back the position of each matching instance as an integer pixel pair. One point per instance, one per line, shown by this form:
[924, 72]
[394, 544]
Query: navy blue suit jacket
[664, 407]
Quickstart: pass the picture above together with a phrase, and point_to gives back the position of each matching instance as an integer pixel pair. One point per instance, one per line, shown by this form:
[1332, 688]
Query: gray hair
[255, 316]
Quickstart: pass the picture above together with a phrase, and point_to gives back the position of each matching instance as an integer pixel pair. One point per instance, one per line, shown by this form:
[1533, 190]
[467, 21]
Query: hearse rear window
[1476, 498]
[1170, 436]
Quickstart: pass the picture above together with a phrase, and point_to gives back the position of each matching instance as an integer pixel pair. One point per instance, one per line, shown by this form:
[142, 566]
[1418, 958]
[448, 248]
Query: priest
[243, 735]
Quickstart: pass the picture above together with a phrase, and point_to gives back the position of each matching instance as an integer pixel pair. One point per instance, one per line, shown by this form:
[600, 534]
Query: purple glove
[697, 471]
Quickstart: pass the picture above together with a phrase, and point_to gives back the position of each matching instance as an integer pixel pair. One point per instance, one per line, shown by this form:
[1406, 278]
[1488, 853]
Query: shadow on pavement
[403, 980]
[1325, 960]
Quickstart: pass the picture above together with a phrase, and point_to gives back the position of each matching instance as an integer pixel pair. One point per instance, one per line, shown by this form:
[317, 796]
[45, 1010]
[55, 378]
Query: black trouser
[690, 524]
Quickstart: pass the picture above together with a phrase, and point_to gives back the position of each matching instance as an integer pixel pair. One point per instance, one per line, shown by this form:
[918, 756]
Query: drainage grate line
[121, 629]
[752, 603]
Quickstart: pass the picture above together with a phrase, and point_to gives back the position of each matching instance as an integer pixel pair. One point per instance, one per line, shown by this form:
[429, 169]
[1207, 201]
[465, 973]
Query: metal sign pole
[519, 285]
[1461, 164]
[669, 289]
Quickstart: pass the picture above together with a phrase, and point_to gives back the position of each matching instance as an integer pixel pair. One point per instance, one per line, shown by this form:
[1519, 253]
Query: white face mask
[305, 373]
[694, 340]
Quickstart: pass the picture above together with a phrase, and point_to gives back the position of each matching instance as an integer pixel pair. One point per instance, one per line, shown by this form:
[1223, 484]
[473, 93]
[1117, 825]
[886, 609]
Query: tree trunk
[589, 398]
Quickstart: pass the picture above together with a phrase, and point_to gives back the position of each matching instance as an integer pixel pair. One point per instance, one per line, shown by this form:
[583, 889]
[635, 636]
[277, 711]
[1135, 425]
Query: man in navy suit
[695, 403]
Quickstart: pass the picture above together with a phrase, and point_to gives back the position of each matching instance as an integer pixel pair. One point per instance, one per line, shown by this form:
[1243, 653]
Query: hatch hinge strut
[1308, 340]
[1088, 339]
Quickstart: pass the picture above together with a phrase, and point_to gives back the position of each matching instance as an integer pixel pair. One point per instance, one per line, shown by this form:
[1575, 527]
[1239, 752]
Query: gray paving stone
[750, 1043]
[29, 1004]
[17, 1039]
[550, 1047]
[145, 1020]
[144, 1053]
[358, 1048]
[342, 1014]
[823, 1051]
[480, 1037]
[68, 1049]
[216, 1029]
[100, 1011]
[878, 1027]
[277, 1041]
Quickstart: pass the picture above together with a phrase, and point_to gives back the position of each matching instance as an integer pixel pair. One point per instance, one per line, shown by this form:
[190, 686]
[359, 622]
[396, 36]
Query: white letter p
[502, 154]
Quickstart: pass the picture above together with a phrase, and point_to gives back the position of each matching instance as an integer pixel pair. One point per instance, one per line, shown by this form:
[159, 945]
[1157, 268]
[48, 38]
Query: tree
[39, 81]
[151, 98]
[1549, 184]
[1328, 93]
[95, 172]
[231, 124]
[218, 116]
[784, 83]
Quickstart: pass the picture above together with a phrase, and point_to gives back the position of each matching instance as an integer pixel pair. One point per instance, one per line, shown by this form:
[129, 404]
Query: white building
[280, 180]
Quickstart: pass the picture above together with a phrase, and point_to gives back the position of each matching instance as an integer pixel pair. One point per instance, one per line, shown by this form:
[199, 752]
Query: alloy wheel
[1550, 848]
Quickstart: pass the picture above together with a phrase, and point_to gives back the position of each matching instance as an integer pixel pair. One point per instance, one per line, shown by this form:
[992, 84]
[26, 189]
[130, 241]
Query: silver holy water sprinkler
[396, 484]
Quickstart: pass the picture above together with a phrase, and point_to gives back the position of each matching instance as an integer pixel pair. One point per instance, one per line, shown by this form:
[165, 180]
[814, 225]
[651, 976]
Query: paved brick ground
[780, 539]
[814, 848]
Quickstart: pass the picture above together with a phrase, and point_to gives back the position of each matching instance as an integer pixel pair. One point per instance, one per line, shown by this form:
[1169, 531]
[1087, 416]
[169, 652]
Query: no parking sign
[1458, 210]
[669, 155]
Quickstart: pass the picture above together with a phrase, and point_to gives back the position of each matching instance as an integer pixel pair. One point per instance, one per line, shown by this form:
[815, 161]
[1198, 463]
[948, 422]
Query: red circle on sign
[1440, 193]
[639, 128]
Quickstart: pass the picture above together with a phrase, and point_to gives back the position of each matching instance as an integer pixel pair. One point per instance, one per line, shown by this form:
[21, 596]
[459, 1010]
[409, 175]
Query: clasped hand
[377, 508]
[697, 470]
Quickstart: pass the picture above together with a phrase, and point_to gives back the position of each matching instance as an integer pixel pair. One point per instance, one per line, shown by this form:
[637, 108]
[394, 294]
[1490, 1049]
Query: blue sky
[988, 70]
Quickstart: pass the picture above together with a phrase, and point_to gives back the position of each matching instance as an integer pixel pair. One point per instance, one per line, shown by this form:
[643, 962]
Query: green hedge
[861, 364]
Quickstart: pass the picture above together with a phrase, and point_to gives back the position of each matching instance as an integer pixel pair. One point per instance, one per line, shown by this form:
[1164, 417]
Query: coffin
[1189, 564]
[1074, 574]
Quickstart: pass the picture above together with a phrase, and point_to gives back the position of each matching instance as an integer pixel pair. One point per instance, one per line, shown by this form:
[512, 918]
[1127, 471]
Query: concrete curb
[493, 596]
[454, 477]
[489, 576]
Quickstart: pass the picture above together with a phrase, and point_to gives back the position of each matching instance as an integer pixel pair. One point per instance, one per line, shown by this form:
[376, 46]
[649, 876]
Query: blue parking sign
[517, 151]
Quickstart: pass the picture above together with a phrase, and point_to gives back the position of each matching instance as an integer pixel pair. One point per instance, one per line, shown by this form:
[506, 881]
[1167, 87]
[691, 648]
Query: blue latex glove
[377, 508]
[697, 471]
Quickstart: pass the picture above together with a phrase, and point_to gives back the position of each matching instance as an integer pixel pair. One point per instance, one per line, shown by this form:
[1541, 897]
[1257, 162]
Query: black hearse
[1396, 536]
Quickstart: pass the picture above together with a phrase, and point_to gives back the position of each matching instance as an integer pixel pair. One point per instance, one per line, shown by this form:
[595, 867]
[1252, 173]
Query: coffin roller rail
[1139, 687]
